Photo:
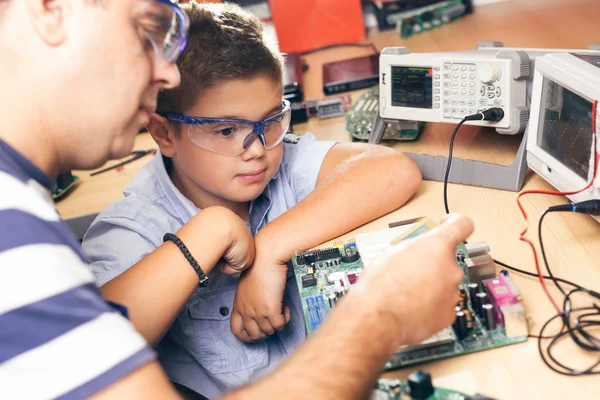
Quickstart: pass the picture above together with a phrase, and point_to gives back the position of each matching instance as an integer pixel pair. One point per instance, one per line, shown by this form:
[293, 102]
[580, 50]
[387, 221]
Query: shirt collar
[27, 168]
[184, 208]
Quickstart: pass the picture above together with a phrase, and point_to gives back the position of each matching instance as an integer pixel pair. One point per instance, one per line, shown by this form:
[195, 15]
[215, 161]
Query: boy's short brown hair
[225, 42]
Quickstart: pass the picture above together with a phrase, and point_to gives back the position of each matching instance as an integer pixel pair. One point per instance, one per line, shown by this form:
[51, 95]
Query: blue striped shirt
[58, 337]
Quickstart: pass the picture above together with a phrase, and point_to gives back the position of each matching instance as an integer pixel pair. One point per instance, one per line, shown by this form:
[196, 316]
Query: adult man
[92, 70]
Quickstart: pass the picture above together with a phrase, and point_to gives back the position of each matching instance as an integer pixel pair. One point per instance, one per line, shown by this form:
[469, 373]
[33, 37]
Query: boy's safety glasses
[166, 27]
[232, 137]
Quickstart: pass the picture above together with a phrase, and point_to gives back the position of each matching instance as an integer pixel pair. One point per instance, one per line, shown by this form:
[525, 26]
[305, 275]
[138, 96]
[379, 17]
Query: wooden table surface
[572, 241]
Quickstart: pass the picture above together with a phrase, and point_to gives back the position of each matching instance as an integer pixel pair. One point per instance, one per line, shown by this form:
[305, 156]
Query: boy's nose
[256, 149]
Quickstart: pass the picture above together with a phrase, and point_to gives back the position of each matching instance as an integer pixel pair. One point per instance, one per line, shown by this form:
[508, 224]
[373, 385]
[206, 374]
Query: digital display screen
[411, 87]
[566, 127]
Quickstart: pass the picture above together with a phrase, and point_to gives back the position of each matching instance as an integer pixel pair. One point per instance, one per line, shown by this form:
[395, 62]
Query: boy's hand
[258, 310]
[230, 237]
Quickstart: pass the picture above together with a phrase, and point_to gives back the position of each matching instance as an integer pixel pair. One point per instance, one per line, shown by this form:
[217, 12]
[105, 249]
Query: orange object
[304, 25]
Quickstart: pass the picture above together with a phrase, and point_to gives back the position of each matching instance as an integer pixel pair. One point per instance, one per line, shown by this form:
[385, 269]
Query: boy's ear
[161, 131]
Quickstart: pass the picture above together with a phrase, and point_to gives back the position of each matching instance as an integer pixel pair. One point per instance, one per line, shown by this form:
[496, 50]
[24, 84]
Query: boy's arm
[357, 183]
[156, 288]
[404, 298]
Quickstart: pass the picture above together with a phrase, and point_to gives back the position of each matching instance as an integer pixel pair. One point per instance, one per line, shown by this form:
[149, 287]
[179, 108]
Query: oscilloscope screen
[566, 127]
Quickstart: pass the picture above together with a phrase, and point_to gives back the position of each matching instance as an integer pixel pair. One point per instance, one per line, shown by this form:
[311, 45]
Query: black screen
[411, 87]
[566, 127]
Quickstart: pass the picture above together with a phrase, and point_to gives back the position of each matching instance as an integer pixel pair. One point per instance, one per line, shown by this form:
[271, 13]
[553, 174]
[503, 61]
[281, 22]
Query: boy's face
[238, 178]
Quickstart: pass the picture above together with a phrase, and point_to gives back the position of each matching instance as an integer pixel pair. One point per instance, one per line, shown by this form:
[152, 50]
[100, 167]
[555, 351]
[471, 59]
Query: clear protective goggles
[231, 136]
[166, 26]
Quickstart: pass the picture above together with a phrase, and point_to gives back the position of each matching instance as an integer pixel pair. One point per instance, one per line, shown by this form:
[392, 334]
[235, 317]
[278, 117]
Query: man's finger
[227, 269]
[457, 228]
[279, 321]
[236, 323]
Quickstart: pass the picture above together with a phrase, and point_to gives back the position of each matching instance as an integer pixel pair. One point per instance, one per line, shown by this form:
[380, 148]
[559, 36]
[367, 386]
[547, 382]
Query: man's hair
[225, 43]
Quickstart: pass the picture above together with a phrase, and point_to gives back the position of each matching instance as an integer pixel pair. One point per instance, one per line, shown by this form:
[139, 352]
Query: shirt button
[224, 311]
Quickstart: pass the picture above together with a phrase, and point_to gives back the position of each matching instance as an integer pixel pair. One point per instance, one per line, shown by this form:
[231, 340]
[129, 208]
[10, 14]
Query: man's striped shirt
[58, 337]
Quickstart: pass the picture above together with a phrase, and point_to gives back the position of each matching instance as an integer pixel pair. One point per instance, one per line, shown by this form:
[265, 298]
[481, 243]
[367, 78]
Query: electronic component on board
[420, 385]
[489, 316]
[481, 299]
[460, 325]
[309, 280]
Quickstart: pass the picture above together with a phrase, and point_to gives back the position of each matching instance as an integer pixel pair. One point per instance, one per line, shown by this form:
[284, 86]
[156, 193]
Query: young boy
[222, 142]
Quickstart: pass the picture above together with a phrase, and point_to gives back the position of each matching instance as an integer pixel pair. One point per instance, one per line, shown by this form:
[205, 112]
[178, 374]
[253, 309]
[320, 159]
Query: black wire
[540, 224]
[585, 340]
[449, 165]
[446, 177]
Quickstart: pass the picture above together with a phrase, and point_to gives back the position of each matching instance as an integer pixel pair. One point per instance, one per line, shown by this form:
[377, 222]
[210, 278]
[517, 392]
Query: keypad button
[471, 92]
[447, 75]
[436, 84]
[463, 76]
[436, 91]
[436, 76]
[463, 111]
[446, 93]
[462, 102]
[498, 92]
[454, 83]
[471, 111]
[482, 102]
[447, 113]
[454, 67]
[472, 103]
[454, 91]
[472, 67]
[447, 66]
[454, 102]
[482, 91]
[463, 67]
[463, 92]
[455, 76]
[436, 68]
[491, 87]
[471, 84]
[490, 95]
[436, 105]
[436, 98]
[463, 84]
[471, 76]
[447, 84]
[446, 102]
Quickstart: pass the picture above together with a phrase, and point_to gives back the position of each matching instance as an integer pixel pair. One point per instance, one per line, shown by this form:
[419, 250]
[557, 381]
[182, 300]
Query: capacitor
[489, 317]
[481, 300]
[460, 325]
[332, 300]
[463, 297]
[469, 316]
[473, 290]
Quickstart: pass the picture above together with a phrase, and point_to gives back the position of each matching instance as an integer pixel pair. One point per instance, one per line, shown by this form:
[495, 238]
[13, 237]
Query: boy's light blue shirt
[199, 351]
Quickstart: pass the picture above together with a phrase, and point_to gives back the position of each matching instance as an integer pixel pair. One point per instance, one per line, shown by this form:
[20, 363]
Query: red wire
[555, 192]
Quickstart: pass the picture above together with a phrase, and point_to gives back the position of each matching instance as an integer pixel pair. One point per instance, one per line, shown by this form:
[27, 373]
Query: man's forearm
[341, 360]
[155, 289]
[361, 189]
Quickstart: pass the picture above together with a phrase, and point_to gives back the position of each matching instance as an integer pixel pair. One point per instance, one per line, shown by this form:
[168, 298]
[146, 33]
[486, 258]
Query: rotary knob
[488, 73]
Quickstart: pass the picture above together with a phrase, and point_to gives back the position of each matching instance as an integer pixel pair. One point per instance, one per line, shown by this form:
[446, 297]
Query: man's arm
[156, 288]
[404, 298]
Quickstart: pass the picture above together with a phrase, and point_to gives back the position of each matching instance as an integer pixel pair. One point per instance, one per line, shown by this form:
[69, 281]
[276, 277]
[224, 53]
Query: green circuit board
[396, 389]
[360, 116]
[325, 275]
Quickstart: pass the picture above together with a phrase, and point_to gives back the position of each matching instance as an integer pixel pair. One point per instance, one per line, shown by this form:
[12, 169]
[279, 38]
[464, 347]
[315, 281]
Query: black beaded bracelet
[171, 237]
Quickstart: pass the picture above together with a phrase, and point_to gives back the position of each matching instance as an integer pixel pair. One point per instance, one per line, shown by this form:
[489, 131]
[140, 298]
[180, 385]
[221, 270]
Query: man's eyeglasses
[232, 137]
[166, 27]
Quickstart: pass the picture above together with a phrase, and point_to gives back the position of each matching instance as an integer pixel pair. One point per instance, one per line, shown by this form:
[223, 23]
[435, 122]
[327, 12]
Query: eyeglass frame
[184, 33]
[257, 126]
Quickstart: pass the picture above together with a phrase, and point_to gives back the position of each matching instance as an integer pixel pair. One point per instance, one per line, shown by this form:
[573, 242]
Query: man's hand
[416, 284]
[258, 310]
